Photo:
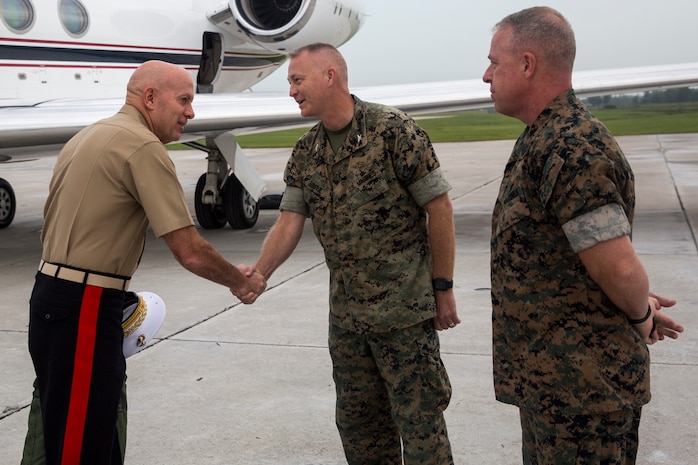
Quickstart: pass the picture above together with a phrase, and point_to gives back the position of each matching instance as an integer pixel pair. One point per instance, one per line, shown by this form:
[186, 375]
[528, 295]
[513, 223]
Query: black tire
[209, 216]
[8, 204]
[241, 209]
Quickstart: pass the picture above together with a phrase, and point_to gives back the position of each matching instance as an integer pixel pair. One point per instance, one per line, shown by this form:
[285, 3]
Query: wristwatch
[441, 284]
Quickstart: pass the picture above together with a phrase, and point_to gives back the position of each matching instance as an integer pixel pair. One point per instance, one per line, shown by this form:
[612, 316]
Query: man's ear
[149, 97]
[529, 64]
[331, 75]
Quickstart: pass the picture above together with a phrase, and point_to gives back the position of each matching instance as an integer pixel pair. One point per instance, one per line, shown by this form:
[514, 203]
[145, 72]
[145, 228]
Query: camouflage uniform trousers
[390, 387]
[34, 452]
[604, 439]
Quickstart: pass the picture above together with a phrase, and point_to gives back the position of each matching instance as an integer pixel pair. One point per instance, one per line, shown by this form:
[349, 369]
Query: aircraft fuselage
[68, 57]
[88, 49]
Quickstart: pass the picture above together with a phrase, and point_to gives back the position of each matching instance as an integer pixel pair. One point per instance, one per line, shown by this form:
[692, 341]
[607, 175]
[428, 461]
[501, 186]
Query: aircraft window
[18, 15]
[73, 17]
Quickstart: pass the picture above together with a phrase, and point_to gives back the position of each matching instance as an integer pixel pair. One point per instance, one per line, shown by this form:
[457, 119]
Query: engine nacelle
[284, 25]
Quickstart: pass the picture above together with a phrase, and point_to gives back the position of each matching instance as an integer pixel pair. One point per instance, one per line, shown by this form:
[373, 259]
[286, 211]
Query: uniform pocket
[53, 299]
[369, 190]
[317, 194]
[514, 209]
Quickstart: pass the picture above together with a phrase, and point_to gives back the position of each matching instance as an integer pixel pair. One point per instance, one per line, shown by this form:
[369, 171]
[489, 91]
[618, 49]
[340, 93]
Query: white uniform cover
[144, 313]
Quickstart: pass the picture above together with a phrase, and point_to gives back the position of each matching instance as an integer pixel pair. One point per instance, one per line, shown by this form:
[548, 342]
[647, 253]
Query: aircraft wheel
[7, 204]
[209, 216]
[241, 209]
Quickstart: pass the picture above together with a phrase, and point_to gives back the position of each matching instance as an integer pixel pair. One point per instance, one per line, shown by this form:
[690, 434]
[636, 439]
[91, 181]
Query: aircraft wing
[54, 122]
[474, 93]
[25, 126]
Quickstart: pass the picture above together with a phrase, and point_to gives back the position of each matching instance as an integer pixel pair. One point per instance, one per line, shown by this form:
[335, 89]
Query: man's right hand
[255, 286]
[660, 325]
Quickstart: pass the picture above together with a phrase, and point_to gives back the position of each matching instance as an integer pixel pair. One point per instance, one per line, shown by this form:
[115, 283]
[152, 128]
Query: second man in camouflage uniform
[367, 176]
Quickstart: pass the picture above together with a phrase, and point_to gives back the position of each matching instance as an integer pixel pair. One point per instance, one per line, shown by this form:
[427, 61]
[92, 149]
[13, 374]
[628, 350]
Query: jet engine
[284, 25]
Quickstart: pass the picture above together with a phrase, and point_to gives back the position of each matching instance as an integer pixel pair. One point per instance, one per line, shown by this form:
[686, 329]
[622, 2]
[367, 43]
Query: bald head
[163, 94]
[157, 74]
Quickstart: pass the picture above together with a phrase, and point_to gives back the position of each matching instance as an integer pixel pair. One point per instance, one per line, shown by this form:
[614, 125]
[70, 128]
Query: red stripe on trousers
[82, 376]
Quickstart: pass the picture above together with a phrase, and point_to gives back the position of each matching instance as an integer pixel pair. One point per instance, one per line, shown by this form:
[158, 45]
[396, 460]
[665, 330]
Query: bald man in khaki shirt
[111, 181]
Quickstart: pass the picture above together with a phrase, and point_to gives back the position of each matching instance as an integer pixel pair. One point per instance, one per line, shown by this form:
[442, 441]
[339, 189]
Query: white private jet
[64, 64]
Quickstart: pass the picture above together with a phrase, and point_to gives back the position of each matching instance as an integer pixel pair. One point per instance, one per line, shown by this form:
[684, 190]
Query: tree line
[673, 96]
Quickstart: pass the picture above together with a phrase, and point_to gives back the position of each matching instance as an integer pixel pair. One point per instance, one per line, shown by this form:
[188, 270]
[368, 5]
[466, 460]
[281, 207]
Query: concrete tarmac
[226, 383]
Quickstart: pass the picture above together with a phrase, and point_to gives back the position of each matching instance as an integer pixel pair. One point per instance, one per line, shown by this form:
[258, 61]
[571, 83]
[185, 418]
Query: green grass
[481, 125]
[626, 121]
[651, 119]
[284, 138]
[470, 126]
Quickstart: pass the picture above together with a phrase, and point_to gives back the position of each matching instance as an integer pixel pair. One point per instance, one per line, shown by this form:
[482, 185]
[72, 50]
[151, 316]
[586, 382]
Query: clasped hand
[255, 286]
[659, 325]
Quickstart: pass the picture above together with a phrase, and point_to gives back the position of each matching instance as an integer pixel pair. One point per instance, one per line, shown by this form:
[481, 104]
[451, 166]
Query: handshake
[252, 284]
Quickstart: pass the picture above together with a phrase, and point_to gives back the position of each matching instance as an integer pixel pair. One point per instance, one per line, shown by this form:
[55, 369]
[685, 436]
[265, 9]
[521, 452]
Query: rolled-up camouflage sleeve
[293, 201]
[602, 224]
[429, 187]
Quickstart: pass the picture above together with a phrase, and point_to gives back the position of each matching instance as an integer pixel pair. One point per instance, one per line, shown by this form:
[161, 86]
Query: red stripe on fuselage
[103, 46]
[45, 64]
[97, 45]
[82, 376]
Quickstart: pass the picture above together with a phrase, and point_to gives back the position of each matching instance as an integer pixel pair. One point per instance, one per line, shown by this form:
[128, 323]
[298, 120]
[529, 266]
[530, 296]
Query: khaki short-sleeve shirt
[110, 181]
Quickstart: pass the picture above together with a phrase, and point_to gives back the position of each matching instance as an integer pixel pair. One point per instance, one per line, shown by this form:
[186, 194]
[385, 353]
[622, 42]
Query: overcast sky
[405, 41]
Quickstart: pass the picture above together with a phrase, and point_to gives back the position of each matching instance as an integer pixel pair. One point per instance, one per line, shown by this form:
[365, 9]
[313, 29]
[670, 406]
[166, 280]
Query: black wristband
[441, 284]
[643, 319]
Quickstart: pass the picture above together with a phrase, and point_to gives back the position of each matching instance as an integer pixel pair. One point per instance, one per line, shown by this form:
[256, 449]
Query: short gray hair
[543, 31]
[329, 54]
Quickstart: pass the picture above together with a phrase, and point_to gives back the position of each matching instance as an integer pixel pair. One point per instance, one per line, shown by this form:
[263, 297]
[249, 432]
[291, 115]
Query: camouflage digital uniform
[561, 349]
[365, 202]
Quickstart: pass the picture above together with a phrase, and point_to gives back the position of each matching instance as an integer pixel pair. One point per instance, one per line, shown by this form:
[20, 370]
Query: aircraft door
[211, 61]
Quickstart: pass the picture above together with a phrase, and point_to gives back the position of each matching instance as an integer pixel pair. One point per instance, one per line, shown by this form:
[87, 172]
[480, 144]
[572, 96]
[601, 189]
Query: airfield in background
[226, 383]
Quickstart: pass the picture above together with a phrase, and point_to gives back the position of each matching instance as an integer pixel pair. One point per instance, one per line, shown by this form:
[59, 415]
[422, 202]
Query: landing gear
[210, 216]
[221, 194]
[8, 204]
[241, 209]
[234, 205]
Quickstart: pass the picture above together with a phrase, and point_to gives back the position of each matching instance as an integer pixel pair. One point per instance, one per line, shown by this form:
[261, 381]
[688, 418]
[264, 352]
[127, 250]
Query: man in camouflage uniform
[572, 312]
[367, 176]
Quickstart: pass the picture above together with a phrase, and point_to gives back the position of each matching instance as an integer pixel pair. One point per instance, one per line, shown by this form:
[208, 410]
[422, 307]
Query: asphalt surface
[225, 383]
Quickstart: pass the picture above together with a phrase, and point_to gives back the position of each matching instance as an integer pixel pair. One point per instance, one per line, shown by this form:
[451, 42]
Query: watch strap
[441, 284]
